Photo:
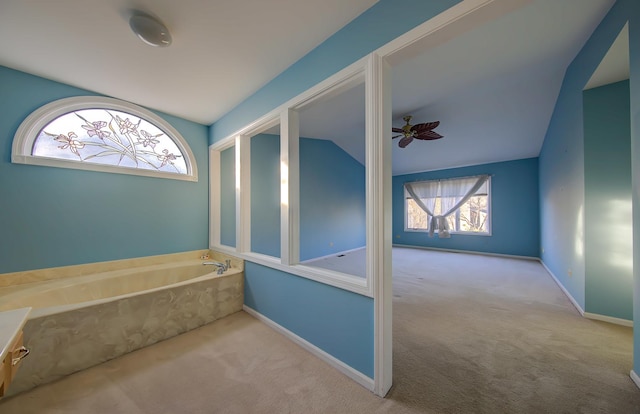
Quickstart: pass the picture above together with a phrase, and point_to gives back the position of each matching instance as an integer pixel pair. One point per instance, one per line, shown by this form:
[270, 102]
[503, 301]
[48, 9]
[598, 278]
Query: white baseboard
[588, 315]
[565, 291]
[610, 319]
[350, 372]
[635, 378]
[509, 256]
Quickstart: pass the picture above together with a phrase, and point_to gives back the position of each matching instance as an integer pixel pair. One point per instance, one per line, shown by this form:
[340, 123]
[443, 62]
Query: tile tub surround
[39, 275]
[70, 337]
[53, 296]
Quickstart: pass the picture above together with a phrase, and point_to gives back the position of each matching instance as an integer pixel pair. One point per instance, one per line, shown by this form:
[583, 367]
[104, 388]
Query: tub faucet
[221, 266]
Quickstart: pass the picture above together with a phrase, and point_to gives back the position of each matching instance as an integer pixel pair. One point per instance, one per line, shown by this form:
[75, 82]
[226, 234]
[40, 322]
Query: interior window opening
[333, 182]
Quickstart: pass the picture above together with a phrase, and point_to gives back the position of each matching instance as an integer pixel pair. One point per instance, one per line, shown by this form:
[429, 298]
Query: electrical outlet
[330, 244]
[570, 272]
[542, 249]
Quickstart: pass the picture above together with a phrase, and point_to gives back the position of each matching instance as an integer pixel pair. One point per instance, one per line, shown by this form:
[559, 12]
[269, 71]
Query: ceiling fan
[417, 131]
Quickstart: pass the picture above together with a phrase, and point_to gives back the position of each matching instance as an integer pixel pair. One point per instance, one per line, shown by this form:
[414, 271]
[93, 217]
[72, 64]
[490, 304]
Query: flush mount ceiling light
[150, 30]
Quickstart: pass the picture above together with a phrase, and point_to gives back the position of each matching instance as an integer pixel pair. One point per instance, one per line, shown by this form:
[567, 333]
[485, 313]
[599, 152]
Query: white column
[379, 237]
[243, 194]
[289, 187]
[214, 198]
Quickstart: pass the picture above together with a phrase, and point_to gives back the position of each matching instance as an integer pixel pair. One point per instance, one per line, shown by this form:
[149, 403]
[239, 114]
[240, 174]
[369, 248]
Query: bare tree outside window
[473, 214]
[416, 217]
[472, 217]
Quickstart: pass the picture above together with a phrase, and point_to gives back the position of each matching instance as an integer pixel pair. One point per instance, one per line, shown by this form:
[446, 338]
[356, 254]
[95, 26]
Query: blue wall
[607, 180]
[55, 216]
[634, 91]
[514, 210]
[332, 200]
[228, 197]
[265, 194]
[377, 26]
[562, 163]
[372, 29]
[337, 321]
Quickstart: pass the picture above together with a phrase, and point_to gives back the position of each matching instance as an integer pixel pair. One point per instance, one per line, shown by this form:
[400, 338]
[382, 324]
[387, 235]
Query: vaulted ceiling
[493, 88]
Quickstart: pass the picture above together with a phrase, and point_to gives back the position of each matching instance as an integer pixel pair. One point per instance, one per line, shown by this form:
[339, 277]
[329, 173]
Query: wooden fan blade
[397, 136]
[428, 135]
[397, 130]
[405, 141]
[427, 126]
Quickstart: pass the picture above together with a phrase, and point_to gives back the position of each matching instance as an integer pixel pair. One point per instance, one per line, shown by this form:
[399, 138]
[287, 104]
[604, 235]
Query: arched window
[103, 134]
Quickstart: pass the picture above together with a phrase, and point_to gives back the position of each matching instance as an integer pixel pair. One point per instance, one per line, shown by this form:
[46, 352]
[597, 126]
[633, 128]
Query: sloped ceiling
[493, 89]
[615, 65]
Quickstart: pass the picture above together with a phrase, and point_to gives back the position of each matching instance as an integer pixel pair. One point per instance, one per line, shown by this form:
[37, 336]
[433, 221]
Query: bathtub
[85, 319]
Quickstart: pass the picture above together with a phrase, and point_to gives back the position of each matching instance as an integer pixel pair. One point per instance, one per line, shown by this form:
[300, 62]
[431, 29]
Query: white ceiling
[222, 51]
[493, 88]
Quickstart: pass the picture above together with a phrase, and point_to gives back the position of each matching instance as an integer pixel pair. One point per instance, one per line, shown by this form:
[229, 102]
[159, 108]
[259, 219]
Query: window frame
[489, 224]
[27, 134]
[286, 115]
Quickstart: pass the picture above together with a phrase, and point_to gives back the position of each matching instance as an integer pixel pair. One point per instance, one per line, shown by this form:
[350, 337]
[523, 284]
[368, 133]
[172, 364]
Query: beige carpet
[479, 334]
[472, 334]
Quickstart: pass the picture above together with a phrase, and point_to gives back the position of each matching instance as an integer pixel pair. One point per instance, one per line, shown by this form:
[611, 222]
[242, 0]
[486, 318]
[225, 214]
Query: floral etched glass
[109, 137]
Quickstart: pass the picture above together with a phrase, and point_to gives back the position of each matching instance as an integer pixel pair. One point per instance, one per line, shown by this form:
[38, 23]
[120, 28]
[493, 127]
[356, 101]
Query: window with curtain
[445, 207]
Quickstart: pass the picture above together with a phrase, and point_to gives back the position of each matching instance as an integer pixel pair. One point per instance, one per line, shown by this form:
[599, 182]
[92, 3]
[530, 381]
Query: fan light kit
[150, 30]
[418, 131]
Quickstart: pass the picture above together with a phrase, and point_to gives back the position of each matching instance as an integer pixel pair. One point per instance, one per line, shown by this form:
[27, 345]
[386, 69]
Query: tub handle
[22, 354]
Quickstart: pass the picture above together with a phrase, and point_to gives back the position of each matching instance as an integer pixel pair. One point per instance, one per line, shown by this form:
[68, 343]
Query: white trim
[225, 249]
[243, 193]
[635, 378]
[588, 315]
[564, 290]
[286, 114]
[350, 372]
[335, 84]
[351, 283]
[214, 197]
[289, 187]
[375, 68]
[259, 126]
[378, 215]
[459, 233]
[452, 22]
[508, 256]
[224, 144]
[610, 319]
[27, 133]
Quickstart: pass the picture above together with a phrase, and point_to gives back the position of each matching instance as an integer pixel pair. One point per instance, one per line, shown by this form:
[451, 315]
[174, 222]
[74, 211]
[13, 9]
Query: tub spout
[220, 266]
